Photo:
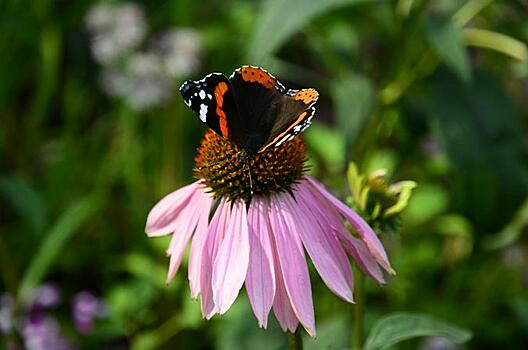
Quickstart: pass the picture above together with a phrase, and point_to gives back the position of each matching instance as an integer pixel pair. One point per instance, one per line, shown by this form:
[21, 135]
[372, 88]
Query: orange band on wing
[219, 92]
[299, 119]
[307, 96]
[257, 75]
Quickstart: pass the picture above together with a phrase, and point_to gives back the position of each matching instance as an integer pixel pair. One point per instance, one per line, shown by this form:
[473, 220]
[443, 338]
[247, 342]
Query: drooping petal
[293, 263]
[162, 218]
[231, 262]
[364, 231]
[323, 247]
[214, 237]
[361, 255]
[186, 223]
[281, 304]
[260, 278]
[197, 244]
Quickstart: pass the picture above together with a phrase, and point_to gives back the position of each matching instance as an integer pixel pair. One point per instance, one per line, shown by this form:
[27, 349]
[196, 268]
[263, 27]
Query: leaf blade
[66, 225]
[276, 23]
[446, 40]
[397, 327]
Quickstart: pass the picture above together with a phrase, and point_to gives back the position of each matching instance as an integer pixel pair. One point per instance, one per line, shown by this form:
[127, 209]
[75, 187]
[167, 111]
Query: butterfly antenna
[249, 173]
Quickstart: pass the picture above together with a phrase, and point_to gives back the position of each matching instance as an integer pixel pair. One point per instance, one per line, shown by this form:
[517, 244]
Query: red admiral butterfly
[251, 108]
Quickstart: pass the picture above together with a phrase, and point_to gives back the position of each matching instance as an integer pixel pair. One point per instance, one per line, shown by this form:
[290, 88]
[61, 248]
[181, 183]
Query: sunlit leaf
[496, 41]
[397, 327]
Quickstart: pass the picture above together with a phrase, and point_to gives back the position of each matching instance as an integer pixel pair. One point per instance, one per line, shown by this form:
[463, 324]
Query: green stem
[295, 340]
[357, 330]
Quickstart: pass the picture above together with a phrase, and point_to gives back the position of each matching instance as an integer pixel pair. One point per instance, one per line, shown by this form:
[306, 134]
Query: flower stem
[357, 330]
[295, 340]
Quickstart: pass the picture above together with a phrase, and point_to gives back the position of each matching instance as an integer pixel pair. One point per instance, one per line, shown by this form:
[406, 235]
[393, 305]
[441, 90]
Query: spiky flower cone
[226, 169]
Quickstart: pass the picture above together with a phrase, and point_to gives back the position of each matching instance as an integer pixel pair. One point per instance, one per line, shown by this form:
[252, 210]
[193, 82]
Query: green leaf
[426, 203]
[276, 23]
[327, 144]
[26, 201]
[446, 40]
[54, 242]
[354, 99]
[397, 327]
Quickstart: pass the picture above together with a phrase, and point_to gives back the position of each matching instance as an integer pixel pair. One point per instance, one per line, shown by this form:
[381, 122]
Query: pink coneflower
[259, 235]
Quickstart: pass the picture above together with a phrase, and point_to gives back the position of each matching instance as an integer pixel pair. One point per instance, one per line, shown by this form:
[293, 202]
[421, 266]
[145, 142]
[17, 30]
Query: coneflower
[266, 214]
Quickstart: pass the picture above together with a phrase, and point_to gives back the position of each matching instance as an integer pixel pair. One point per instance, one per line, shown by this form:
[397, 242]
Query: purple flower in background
[43, 333]
[85, 309]
[47, 296]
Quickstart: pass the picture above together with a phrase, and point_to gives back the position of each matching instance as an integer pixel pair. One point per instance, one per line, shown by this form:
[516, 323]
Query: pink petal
[231, 262]
[364, 231]
[198, 243]
[361, 255]
[260, 278]
[281, 304]
[292, 262]
[195, 256]
[162, 218]
[186, 221]
[214, 237]
[323, 247]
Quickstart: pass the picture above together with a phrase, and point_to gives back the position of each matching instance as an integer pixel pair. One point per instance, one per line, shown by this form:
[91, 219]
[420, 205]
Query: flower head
[86, 307]
[377, 201]
[269, 214]
[117, 29]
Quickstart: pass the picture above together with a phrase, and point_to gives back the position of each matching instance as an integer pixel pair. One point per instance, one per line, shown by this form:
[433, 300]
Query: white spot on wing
[203, 112]
[202, 94]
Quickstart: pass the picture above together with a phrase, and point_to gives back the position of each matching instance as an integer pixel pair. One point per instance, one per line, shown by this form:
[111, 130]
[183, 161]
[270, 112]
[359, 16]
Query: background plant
[433, 91]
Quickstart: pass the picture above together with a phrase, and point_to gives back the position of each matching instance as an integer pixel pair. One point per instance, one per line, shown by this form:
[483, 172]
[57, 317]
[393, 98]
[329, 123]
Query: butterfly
[252, 108]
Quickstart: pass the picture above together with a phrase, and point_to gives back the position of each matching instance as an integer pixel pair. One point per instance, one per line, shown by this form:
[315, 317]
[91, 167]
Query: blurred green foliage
[433, 91]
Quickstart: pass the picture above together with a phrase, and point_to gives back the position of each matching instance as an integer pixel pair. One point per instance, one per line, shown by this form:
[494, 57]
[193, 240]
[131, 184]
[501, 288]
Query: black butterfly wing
[293, 117]
[267, 108]
[212, 100]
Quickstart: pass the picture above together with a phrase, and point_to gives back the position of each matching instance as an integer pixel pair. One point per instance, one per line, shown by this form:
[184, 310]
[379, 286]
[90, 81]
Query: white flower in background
[181, 50]
[116, 29]
[143, 82]
[7, 310]
[142, 79]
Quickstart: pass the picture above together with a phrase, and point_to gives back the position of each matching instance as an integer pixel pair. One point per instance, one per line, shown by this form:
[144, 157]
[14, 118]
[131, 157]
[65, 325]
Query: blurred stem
[50, 47]
[358, 309]
[295, 340]
[158, 337]
[468, 11]
[495, 41]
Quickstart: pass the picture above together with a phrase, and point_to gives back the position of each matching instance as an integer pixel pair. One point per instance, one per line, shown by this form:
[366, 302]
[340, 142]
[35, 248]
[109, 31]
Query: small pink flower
[261, 242]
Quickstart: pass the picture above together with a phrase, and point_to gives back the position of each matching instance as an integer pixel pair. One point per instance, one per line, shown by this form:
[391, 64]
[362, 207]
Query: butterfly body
[252, 108]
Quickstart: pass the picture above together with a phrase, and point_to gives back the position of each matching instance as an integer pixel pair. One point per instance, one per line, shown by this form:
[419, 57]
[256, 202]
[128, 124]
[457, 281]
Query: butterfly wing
[212, 100]
[270, 112]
